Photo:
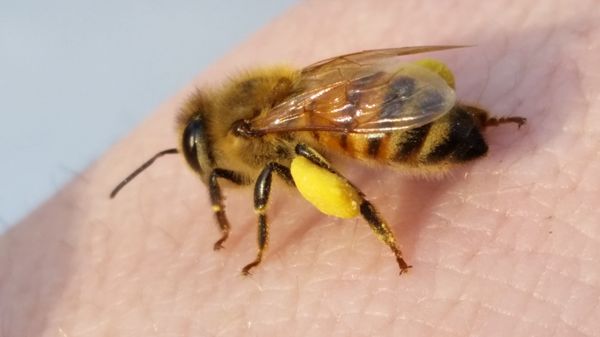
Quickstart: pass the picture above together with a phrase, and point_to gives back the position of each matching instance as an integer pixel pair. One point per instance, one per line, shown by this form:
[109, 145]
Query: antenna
[140, 169]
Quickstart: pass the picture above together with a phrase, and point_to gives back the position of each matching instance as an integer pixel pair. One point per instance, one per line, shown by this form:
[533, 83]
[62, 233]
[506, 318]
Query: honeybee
[366, 105]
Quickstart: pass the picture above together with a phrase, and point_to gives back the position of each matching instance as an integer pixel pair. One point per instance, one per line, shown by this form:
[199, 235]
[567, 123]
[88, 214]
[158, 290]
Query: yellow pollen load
[439, 68]
[328, 192]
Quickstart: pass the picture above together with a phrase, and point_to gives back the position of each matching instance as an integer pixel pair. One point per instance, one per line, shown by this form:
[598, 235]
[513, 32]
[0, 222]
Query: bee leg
[216, 198]
[367, 210]
[262, 190]
[383, 232]
[495, 121]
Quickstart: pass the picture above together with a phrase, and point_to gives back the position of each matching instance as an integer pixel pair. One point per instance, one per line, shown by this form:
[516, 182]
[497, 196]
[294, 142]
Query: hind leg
[365, 208]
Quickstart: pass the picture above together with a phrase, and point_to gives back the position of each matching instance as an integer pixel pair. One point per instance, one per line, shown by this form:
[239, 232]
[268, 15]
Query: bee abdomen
[454, 138]
[356, 145]
[408, 144]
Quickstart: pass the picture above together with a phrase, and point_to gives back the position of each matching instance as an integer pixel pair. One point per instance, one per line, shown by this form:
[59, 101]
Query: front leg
[262, 190]
[216, 198]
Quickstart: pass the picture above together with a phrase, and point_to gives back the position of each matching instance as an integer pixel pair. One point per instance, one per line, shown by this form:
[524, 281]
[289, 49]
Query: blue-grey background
[76, 75]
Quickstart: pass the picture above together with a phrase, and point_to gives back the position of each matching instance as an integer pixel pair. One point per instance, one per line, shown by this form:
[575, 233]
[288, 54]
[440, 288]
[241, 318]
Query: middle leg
[262, 190]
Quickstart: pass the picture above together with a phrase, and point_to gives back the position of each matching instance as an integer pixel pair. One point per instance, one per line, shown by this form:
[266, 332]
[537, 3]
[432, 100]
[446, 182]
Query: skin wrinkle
[446, 314]
[558, 304]
[591, 316]
[572, 325]
[478, 305]
[527, 292]
[489, 307]
[509, 314]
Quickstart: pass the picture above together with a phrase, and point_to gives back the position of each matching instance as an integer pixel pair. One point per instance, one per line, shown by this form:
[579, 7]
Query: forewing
[369, 57]
[381, 97]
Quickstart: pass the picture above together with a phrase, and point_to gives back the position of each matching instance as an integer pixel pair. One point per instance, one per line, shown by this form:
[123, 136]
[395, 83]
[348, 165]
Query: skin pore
[505, 246]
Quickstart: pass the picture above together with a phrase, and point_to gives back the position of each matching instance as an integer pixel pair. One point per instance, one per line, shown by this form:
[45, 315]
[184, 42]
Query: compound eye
[193, 138]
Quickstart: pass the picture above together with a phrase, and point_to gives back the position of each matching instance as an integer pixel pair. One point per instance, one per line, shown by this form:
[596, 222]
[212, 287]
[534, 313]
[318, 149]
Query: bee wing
[378, 97]
[367, 57]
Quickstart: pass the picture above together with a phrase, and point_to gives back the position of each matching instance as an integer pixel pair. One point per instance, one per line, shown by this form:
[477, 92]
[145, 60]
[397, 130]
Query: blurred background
[76, 75]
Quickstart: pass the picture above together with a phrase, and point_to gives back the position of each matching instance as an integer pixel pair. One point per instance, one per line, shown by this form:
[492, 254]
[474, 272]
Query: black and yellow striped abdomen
[454, 138]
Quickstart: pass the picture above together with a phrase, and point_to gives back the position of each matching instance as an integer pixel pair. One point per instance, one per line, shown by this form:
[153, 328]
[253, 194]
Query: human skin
[506, 246]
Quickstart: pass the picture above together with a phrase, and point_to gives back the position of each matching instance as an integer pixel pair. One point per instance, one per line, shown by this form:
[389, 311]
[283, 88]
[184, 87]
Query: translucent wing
[367, 57]
[362, 92]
